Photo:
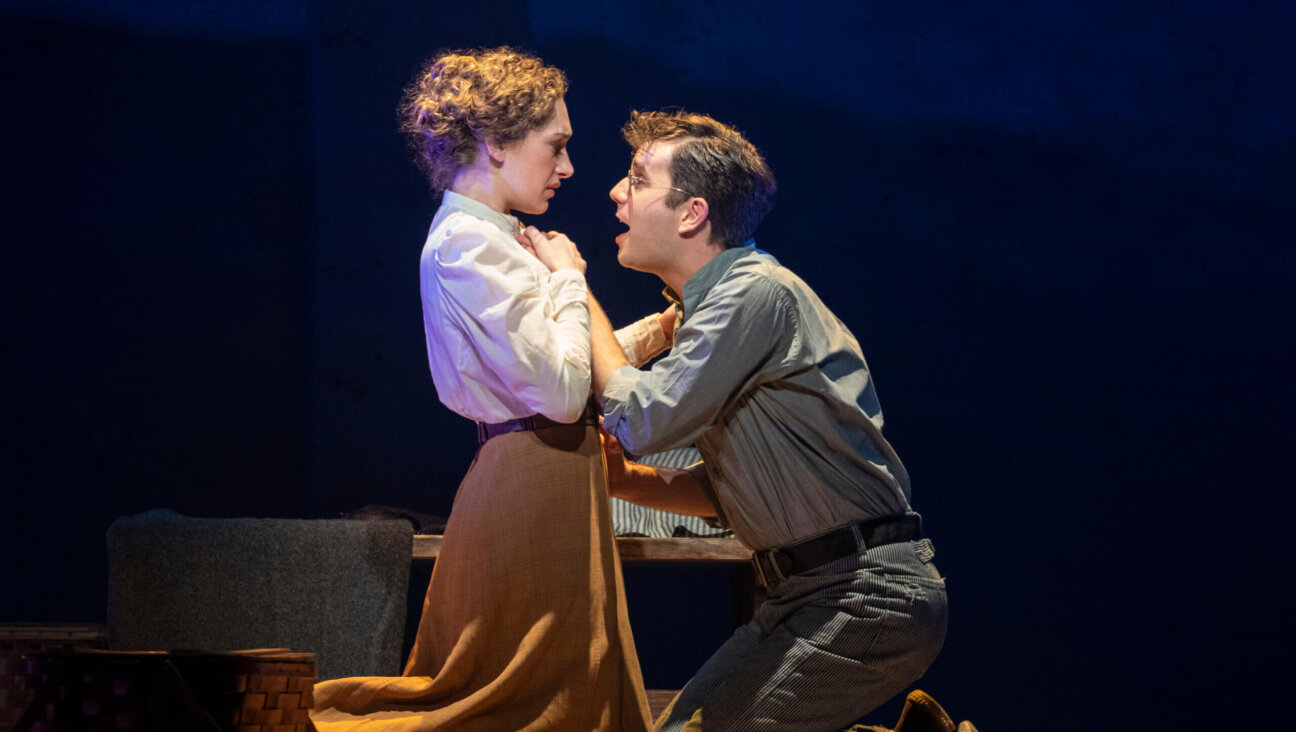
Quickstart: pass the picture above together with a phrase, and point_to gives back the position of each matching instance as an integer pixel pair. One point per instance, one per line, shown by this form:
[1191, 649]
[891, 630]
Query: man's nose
[618, 192]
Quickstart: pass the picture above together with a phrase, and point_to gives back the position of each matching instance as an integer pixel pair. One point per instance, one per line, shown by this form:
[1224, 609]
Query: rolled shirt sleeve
[642, 340]
[740, 335]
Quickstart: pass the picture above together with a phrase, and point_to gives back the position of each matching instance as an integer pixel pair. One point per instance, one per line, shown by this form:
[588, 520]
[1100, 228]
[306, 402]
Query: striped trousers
[827, 647]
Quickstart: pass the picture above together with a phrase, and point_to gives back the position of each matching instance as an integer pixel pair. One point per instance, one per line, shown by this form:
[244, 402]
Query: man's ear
[696, 212]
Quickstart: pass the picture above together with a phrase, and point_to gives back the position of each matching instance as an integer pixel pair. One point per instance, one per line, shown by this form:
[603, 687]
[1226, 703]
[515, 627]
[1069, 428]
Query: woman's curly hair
[461, 99]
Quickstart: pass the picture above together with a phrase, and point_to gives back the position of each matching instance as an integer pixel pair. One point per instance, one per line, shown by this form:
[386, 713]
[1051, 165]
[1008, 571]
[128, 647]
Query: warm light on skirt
[524, 626]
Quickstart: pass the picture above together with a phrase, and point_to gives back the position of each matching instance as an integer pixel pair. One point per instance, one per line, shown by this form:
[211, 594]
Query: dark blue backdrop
[1062, 232]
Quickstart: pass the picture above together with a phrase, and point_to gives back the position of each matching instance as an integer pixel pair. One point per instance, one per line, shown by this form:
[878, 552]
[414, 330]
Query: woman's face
[533, 168]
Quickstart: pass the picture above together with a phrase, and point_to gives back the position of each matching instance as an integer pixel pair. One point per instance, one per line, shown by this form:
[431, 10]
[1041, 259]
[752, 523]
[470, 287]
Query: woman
[524, 626]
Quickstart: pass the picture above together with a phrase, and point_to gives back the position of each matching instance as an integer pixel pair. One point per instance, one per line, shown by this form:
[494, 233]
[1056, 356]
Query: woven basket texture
[19, 639]
[266, 690]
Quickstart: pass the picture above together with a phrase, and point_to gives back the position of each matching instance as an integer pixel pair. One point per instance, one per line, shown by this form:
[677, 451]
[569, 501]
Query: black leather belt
[533, 422]
[799, 556]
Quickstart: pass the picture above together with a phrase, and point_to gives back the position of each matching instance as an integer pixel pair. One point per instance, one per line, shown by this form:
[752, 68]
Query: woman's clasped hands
[554, 250]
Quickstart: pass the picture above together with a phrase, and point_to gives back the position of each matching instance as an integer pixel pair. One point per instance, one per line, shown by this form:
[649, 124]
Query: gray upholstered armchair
[335, 588]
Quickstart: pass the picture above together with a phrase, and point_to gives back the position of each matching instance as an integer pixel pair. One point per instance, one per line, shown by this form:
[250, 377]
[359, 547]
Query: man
[774, 391]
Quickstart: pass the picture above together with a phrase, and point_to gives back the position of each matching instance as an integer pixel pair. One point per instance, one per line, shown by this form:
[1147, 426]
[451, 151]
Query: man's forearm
[605, 351]
[669, 489]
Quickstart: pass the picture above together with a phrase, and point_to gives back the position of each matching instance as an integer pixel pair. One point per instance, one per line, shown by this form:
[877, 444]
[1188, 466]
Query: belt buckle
[860, 541]
[760, 573]
[771, 555]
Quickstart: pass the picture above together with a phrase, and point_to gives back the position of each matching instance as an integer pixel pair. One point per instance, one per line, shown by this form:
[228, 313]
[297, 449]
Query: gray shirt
[774, 391]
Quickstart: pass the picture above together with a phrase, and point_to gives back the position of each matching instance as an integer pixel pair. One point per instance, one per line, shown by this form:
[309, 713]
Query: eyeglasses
[639, 183]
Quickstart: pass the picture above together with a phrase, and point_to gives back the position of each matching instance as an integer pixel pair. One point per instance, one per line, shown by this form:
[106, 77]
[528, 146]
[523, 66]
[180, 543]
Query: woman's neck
[478, 184]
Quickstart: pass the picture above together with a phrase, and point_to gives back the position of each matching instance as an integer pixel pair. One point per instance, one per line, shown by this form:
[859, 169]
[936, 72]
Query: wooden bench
[634, 549]
[747, 596]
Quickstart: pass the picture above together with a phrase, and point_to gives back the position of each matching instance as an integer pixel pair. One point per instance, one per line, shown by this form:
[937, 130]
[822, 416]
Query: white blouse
[507, 338]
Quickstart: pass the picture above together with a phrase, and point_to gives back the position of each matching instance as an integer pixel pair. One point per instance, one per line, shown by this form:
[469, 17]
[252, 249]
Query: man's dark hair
[712, 161]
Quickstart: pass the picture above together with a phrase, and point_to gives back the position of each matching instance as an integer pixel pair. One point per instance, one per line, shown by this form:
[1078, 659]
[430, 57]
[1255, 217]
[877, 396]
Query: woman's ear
[694, 217]
[492, 150]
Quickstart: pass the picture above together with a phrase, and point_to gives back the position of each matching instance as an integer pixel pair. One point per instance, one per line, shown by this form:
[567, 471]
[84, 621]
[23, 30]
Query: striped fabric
[629, 519]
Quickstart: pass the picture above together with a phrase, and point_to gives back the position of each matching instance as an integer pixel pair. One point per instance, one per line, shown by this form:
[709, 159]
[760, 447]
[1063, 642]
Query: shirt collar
[672, 296]
[704, 279]
[451, 201]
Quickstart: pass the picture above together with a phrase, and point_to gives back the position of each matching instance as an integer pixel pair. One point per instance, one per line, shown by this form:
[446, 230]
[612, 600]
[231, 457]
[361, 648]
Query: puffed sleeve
[528, 326]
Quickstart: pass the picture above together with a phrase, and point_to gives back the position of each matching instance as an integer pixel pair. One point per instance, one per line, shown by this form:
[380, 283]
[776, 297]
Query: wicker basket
[266, 690]
[19, 639]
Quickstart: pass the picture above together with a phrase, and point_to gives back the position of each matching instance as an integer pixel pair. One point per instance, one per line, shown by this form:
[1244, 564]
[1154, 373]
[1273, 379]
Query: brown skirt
[524, 625]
